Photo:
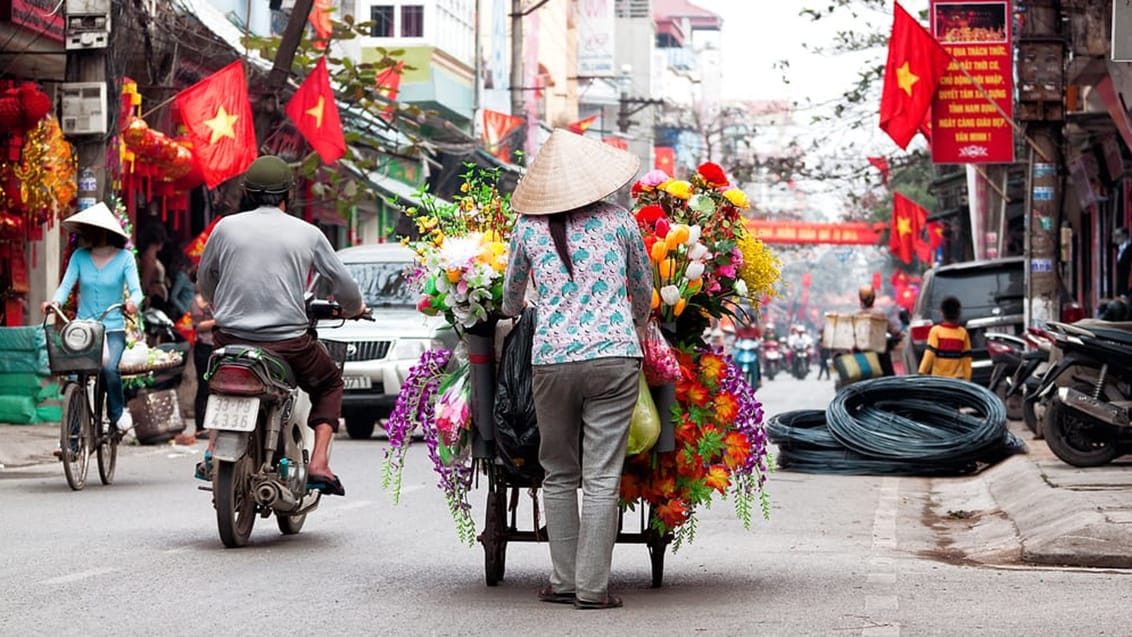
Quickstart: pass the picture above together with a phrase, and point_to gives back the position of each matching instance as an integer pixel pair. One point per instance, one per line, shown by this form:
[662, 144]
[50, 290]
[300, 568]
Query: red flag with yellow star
[907, 219]
[665, 159]
[315, 114]
[916, 62]
[218, 116]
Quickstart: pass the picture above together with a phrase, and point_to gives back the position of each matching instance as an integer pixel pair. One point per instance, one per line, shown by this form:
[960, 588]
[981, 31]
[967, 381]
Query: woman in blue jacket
[104, 271]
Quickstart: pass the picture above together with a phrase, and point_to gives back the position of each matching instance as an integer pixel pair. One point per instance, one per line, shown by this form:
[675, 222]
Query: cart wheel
[494, 538]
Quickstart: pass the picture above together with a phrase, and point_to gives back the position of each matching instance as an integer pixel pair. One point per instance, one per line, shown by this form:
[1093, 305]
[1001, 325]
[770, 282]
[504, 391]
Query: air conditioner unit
[84, 108]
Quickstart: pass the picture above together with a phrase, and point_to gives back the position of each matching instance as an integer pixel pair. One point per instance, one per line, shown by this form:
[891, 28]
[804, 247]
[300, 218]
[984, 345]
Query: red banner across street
[807, 232]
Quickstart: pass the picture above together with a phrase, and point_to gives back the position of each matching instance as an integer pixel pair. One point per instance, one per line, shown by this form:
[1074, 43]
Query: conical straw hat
[98, 216]
[571, 171]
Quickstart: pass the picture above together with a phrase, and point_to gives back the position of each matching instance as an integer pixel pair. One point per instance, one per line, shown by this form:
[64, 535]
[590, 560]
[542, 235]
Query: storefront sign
[38, 16]
[967, 128]
[802, 232]
[595, 23]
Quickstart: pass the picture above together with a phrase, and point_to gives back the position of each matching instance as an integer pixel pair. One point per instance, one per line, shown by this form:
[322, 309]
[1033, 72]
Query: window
[412, 21]
[382, 18]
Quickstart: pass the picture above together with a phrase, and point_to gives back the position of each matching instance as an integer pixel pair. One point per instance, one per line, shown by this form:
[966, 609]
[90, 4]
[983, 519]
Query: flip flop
[609, 601]
[547, 594]
[204, 468]
[327, 484]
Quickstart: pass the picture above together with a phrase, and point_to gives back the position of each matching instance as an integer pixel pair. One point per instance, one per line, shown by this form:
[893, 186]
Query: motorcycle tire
[234, 502]
[290, 524]
[1033, 413]
[1079, 440]
[1013, 403]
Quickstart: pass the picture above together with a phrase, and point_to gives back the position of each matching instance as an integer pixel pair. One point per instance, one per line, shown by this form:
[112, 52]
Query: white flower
[741, 288]
[694, 233]
[458, 252]
[698, 251]
[694, 271]
[670, 294]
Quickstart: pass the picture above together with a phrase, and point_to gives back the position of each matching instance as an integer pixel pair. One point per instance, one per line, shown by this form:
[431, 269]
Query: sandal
[609, 601]
[204, 468]
[327, 484]
[547, 594]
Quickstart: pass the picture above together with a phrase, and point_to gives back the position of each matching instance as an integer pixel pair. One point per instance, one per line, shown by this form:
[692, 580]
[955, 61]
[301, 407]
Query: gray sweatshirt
[255, 270]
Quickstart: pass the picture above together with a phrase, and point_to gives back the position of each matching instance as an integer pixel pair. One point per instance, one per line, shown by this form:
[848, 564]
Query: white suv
[380, 353]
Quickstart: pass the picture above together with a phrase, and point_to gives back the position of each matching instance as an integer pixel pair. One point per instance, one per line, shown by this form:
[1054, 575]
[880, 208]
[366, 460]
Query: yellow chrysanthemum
[679, 189]
[738, 198]
[760, 269]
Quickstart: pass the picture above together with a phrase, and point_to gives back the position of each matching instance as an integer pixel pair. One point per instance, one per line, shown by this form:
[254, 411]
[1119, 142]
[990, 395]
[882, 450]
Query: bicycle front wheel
[74, 436]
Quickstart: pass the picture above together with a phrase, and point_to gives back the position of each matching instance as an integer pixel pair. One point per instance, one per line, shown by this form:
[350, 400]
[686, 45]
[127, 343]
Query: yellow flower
[678, 189]
[667, 268]
[454, 274]
[465, 187]
[738, 198]
[659, 251]
[760, 269]
[655, 299]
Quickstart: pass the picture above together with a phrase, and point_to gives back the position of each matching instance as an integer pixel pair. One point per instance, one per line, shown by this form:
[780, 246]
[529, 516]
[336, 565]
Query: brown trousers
[315, 371]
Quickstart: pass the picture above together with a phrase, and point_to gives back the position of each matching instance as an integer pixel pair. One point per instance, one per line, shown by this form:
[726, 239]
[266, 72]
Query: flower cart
[709, 436]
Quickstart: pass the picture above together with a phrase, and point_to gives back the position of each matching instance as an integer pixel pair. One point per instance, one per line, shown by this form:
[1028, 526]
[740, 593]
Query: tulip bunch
[678, 258]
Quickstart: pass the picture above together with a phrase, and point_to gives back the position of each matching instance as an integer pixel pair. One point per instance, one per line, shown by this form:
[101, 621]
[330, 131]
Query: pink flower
[662, 227]
[654, 178]
[726, 271]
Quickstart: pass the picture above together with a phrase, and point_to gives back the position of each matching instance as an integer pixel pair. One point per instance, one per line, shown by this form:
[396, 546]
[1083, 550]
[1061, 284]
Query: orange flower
[655, 299]
[726, 407]
[718, 478]
[696, 394]
[631, 488]
[711, 366]
[695, 286]
[686, 432]
[672, 513]
[667, 268]
[678, 309]
[659, 251]
[738, 449]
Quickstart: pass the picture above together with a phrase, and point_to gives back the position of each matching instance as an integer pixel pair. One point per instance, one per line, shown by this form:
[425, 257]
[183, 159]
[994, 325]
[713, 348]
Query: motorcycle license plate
[231, 413]
[357, 382]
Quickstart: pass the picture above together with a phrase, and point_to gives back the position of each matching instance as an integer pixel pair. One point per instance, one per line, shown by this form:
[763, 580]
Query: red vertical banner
[665, 159]
[967, 128]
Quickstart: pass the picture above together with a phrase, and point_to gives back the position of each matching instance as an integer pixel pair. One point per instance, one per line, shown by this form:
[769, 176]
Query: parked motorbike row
[1072, 384]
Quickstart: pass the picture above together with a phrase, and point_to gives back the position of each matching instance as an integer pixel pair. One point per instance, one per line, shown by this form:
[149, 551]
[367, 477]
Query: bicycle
[74, 351]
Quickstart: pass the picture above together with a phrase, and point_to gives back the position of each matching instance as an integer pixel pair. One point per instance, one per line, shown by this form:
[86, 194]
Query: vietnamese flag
[315, 114]
[665, 159]
[907, 220]
[388, 83]
[218, 116]
[496, 127]
[926, 249]
[582, 125]
[916, 62]
[320, 19]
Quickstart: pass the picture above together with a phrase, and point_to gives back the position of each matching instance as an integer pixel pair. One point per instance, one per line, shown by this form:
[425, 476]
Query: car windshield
[980, 292]
[383, 284]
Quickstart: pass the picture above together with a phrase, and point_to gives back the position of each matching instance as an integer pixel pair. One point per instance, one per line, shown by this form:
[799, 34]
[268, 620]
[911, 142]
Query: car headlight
[411, 348]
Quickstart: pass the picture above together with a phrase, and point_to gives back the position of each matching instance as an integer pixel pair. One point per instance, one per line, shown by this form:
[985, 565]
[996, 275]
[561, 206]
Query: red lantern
[135, 132]
[35, 103]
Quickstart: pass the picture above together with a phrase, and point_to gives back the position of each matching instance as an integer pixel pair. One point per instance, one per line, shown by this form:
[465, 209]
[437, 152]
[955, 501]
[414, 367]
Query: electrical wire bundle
[923, 425]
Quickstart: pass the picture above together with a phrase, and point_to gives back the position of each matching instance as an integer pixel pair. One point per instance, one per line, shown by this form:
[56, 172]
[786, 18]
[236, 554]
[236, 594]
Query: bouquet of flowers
[721, 447]
[461, 254]
[702, 253]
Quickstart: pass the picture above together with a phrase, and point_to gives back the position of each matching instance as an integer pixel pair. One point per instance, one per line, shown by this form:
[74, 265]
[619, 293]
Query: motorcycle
[747, 358]
[1006, 355]
[262, 443]
[772, 359]
[1028, 377]
[800, 359]
[1088, 393]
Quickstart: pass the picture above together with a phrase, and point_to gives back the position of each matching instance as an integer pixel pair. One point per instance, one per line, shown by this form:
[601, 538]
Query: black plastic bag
[516, 426]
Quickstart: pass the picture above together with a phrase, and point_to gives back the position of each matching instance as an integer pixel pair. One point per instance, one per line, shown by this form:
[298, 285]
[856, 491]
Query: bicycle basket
[75, 347]
[337, 351]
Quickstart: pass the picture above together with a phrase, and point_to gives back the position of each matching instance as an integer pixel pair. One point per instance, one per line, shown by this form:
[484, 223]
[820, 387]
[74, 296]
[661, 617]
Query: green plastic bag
[644, 427]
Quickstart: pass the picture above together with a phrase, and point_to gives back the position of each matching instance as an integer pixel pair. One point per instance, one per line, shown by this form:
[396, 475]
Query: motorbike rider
[254, 272]
[867, 297]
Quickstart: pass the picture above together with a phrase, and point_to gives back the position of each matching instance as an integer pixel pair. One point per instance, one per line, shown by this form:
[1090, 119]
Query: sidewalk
[1035, 509]
[24, 445]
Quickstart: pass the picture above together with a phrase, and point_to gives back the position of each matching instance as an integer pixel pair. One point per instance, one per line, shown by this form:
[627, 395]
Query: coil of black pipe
[914, 425]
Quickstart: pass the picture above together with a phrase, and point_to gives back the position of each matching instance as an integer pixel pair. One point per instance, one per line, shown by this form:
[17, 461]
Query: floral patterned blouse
[592, 315]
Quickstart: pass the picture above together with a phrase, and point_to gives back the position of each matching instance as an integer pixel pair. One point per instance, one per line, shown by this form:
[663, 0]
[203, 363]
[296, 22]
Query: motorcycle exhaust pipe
[272, 494]
[1105, 412]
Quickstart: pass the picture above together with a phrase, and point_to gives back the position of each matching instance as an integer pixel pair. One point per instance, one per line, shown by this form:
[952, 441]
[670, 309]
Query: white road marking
[81, 575]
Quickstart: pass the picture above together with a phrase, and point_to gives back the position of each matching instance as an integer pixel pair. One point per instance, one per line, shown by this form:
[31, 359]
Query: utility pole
[1041, 89]
[266, 109]
[518, 104]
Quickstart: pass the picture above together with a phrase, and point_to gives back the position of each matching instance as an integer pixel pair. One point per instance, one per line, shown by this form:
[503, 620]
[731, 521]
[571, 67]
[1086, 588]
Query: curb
[1057, 527]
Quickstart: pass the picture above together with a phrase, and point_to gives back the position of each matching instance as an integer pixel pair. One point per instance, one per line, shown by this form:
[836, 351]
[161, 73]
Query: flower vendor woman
[580, 252]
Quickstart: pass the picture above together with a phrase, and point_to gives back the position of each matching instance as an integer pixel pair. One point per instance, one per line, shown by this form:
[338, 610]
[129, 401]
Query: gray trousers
[583, 413]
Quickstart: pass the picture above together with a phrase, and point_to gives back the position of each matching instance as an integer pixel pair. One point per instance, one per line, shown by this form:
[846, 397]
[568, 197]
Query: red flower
[662, 227]
[635, 190]
[718, 478]
[649, 214]
[738, 449]
[713, 174]
[672, 513]
[631, 488]
[650, 241]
